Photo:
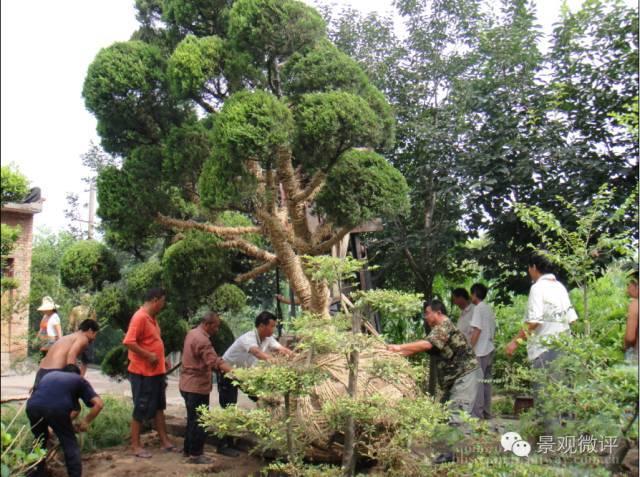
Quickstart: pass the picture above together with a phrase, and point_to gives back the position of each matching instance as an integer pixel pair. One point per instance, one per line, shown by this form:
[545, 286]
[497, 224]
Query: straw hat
[47, 304]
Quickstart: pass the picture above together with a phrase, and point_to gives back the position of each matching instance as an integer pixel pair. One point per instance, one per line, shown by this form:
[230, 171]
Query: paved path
[18, 385]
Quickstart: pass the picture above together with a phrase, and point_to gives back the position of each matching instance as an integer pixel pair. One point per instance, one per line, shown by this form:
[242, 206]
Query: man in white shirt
[549, 314]
[483, 330]
[254, 345]
[460, 297]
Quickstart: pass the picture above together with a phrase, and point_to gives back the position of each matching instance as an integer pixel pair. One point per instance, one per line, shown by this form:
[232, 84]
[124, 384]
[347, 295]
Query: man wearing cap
[199, 359]
[147, 368]
[50, 326]
[51, 406]
[68, 349]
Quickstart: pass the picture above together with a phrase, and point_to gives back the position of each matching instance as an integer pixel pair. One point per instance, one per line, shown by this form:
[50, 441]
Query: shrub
[19, 450]
[142, 277]
[112, 306]
[115, 363]
[13, 185]
[88, 264]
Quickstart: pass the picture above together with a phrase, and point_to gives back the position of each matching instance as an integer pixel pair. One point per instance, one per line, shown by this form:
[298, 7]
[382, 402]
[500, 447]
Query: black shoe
[228, 451]
[444, 458]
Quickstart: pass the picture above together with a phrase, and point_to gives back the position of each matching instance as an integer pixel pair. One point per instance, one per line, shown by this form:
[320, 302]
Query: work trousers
[41, 419]
[195, 435]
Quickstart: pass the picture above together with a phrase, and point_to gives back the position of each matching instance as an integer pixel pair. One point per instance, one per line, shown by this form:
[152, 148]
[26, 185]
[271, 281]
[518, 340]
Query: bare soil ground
[120, 462]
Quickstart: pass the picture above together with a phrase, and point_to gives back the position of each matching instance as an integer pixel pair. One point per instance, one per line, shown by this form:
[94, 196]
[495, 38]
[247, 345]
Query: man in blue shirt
[51, 405]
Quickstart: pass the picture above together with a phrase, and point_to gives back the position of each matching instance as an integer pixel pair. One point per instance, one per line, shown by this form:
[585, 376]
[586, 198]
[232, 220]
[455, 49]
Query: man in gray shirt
[483, 330]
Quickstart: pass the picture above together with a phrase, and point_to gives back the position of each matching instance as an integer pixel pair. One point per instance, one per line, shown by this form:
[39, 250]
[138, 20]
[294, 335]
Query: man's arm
[98, 404]
[78, 346]
[408, 349]
[148, 355]
[523, 335]
[475, 335]
[285, 351]
[261, 355]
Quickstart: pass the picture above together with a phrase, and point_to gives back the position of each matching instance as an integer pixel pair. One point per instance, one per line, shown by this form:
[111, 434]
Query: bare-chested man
[67, 349]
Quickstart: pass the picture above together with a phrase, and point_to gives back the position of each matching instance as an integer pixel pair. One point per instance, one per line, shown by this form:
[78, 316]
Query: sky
[46, 48]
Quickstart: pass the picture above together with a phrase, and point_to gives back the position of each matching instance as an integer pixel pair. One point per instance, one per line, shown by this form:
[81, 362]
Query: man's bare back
[65, 351]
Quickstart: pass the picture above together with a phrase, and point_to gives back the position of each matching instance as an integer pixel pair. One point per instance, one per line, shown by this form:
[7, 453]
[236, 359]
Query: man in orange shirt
[147, 370]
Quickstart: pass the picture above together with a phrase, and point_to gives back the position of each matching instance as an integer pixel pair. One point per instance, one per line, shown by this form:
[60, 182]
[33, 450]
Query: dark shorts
[149, 395]
[40, 374]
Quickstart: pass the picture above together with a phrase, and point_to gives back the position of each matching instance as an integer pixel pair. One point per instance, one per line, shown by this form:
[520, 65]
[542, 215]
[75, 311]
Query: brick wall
[15, 329]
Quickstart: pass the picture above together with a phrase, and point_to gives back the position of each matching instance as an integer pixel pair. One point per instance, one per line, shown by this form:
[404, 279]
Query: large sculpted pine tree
[242, 120]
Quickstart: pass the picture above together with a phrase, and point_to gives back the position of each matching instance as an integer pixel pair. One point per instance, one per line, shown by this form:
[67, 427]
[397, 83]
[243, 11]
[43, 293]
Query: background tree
[245, 113]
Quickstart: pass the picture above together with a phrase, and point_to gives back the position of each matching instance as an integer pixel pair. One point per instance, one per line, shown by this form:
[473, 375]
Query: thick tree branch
[248, 248]
[314, 186]
[257, 271]
[203, 104]
[327, 244]
[214, 229]
[297, 209]
[288, 260]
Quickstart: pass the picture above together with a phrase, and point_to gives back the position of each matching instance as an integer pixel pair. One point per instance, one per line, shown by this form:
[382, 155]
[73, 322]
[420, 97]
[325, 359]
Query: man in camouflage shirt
[458, 369]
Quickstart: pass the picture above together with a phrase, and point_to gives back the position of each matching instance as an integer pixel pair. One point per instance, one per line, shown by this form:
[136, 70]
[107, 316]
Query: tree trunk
[287, 416]
[349, 456]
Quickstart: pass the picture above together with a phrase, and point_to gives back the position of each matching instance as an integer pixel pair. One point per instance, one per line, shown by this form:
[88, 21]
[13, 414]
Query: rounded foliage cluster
[142, 277]
[88, 264]
[193, 62]
[192, 268]
[321, 69]
[173, 327]
[112, 305]
[115, 363]
[227, 298]
[125, 88]
[273, 29]
[329, 124]
[361, 187]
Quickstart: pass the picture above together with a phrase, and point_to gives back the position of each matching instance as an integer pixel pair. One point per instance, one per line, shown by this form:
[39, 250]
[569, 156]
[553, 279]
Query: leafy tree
[419, 74]
[239, 115]
[88, 264]
[582, 251]
[594, 85]
[14, 186]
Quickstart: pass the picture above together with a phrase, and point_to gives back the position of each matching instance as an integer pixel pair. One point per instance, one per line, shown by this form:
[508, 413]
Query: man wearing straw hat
[50, 326]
